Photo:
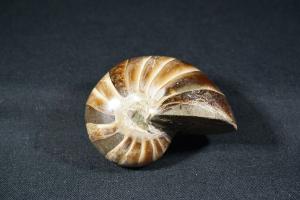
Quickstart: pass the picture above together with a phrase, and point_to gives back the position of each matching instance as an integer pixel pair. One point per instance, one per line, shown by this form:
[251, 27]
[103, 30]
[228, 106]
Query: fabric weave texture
[52, 53]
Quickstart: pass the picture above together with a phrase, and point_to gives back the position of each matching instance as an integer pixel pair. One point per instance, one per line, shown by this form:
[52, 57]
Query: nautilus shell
[135, 110]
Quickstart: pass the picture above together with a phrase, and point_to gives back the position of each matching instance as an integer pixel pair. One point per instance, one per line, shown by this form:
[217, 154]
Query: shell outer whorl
[127, 109]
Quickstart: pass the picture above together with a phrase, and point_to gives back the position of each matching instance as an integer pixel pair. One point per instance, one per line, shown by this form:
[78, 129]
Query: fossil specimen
[140, 104]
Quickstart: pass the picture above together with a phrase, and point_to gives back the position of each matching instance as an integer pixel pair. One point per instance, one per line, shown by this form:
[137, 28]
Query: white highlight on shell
[113, 104]
[152, 111]
[134, 97]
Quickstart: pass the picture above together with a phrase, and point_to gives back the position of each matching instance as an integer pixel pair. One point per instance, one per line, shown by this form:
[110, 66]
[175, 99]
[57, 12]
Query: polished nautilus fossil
[135, 110]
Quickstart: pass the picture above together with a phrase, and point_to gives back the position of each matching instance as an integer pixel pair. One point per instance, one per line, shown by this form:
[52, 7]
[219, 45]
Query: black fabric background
[52, 53]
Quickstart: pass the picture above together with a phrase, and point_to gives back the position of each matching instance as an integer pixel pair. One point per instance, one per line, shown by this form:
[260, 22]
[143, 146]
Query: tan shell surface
[120, 107]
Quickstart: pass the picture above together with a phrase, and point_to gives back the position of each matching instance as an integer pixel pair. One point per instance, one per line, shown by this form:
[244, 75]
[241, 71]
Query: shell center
[134, 112]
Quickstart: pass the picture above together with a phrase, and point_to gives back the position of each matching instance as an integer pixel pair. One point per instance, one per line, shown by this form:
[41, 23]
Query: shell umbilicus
[137, 107]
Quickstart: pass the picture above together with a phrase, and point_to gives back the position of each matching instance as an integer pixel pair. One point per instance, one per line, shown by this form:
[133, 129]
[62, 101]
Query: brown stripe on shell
[98, 101]
[100, 131]
[152, 70]
[159, 151]
[146, 153]
[212, 98]
[133, 72]
[171, 71]
[117, 153]
[97, 117]
[164, 142]
[186, 82]
[146, 72]
[106, 87]
[117, 75]
[106, 145]
[133, 154]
